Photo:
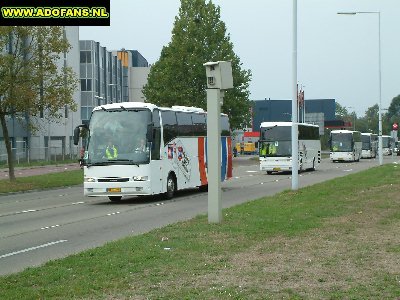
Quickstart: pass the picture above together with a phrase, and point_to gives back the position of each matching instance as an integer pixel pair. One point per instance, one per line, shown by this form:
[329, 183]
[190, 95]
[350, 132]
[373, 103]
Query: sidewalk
[39, 170]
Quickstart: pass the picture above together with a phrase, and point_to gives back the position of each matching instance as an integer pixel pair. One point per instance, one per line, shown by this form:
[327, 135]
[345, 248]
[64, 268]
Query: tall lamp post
[380, 151]
[294, 133]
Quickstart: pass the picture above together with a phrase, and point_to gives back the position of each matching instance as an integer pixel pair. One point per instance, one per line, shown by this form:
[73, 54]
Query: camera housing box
[219, 75]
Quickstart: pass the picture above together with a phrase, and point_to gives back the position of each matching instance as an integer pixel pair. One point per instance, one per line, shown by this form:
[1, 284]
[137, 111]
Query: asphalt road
[44, 225]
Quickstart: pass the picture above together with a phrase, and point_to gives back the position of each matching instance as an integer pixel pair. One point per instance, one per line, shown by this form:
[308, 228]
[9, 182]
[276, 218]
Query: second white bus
[345, 145]
[275, 146]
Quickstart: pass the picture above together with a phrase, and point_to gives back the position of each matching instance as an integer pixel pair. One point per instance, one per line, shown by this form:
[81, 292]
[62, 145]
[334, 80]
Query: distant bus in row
[275, 146]
[387, 144]
[369, 145]
[345, 145]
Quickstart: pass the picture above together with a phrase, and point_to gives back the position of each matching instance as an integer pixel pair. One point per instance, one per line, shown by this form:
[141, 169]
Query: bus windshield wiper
[124, 160]
[99, 163]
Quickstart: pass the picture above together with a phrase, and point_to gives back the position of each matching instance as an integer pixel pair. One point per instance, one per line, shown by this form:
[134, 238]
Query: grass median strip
[51, 180]
[333, 240]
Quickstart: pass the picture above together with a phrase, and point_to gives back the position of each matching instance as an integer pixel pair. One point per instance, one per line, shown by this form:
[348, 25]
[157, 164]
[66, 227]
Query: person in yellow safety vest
[263, 150]
[111, 151]
[272, 149]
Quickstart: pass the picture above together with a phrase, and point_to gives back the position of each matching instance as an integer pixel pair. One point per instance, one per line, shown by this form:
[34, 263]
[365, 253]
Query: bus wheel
[269, 172]
[115, 198]
[171, 187]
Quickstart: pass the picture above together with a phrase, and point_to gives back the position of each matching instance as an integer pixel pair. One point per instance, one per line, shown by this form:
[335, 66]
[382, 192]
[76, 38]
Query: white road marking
[32, 248]
[112, 214]
[26, 211]
[75, 203]
[48, 227]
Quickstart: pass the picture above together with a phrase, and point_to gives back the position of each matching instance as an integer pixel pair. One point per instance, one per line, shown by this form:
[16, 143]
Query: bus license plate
[277, 169]
[114, 190]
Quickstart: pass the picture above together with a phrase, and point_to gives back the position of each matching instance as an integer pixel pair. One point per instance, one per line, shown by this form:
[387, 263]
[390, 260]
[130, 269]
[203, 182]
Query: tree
[341, 112]
[394, 108]
[393, 114]
[371, 117]
[31, 79]
[178, 77]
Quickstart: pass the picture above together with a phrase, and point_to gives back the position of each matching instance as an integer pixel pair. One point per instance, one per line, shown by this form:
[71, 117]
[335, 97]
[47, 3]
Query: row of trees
[369, 122]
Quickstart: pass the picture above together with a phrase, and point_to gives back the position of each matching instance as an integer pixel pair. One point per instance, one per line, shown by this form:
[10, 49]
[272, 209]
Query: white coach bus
[275, 146]
[136, 148]
[387, 144]
[369, 145]
[345, 145]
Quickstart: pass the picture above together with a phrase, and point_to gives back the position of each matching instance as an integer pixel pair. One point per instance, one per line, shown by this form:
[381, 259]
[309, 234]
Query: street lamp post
[380, 151]
[294, 132]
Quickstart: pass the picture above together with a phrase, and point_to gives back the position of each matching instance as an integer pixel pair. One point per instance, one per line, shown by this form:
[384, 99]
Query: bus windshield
[366, 142]
[341, 142]
[276, 141]
[386, 142]
[118, 137]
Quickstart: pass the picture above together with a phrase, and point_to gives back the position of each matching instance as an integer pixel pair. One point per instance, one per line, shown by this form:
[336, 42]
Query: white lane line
[75, 203]
[48, 227]
[26, 211]
[32, 248]
[112, 214]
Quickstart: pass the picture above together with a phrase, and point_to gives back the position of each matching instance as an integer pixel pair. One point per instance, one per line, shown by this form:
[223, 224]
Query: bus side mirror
[76, 135]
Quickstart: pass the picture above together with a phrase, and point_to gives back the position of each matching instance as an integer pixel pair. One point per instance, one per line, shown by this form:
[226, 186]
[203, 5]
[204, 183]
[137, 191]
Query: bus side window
[185, 124]
[199, 124]
[155, 148]
[170, 126]
[225, 126]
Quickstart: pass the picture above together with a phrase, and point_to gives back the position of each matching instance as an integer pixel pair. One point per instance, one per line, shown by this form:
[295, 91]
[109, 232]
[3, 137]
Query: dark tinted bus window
[155, 147]
[170, 125]
[184, 124]
[308, 132]
[156, 118]
[199, 124]
[225, 126]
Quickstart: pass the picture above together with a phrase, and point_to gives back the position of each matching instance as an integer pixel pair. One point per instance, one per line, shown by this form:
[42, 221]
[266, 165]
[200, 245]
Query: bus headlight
[140, 178]
[89, 179]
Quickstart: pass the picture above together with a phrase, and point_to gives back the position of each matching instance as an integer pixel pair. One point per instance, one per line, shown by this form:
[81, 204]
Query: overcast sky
[338, 55]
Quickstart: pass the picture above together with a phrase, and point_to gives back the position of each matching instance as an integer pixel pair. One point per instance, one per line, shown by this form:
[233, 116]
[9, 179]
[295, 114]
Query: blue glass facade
[281, 110]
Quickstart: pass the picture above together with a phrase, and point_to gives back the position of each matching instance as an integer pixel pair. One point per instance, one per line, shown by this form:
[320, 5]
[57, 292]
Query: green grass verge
[47, 181]
[40, 163]
[227, 261]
